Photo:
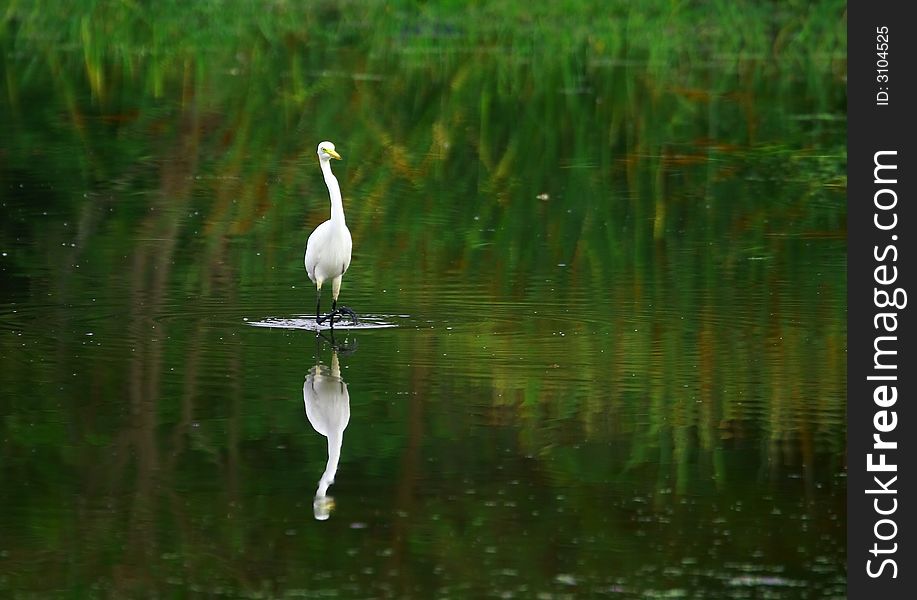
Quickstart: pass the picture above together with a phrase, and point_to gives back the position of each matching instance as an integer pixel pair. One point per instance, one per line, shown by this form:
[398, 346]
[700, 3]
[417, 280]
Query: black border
[872, 128]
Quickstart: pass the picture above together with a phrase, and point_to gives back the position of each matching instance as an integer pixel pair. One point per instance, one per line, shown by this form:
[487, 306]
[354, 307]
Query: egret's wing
[314, 248]
[348, 247]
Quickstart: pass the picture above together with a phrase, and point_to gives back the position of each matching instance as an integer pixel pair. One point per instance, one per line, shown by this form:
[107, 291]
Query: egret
[327, 403]
[329, 246]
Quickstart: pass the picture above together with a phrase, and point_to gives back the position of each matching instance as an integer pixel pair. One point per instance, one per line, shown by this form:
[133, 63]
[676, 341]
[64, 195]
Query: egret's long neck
[334, 190]
[334, 456]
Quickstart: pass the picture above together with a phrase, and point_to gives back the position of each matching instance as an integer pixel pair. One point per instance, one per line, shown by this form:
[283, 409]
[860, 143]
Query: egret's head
[326, 151]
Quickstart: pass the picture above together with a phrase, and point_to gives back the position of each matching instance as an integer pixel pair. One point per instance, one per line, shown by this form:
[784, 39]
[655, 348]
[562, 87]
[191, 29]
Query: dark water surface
[614, 360]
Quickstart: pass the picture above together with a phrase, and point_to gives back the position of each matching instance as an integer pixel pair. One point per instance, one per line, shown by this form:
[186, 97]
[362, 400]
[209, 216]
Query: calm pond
[612, 278]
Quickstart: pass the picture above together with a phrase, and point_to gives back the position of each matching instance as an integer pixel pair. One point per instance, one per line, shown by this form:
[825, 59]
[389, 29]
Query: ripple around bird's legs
[337, 316]
[308, 323]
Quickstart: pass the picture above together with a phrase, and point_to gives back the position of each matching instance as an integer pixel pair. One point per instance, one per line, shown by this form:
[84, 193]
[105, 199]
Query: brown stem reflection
[151, 269]
[409, 469]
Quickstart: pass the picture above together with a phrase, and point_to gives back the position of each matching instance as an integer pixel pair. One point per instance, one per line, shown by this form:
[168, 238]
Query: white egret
[329, 246]
[328, 409]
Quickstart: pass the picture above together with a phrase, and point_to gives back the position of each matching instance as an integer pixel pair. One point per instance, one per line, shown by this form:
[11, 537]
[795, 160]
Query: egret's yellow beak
[332, 153]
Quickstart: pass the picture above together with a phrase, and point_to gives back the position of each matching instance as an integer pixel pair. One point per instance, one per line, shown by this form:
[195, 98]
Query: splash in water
[308, 323]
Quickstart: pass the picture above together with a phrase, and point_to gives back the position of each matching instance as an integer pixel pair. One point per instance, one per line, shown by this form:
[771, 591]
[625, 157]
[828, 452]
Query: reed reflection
[327, 403]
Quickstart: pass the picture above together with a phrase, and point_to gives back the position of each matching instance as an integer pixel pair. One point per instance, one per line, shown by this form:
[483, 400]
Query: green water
[615, 260]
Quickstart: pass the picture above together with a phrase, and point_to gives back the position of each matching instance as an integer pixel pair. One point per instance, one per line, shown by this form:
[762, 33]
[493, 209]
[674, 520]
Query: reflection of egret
[329, 246]
[328, 410]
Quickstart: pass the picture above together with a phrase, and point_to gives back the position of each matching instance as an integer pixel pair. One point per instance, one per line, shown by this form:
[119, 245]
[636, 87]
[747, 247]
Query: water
[601, 348]
[310, 323]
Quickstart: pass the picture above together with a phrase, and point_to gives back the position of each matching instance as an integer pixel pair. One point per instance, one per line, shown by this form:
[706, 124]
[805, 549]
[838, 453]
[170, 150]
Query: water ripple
[308, 323]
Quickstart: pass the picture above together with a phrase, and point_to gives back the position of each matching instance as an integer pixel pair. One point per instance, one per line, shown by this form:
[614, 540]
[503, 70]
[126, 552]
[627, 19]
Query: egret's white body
[328, 409]
[329, 247]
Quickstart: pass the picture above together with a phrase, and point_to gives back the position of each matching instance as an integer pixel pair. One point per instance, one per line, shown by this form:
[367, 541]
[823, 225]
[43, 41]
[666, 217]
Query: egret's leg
[346, 311]
[318, 302]
[335, 290]
[334, 312]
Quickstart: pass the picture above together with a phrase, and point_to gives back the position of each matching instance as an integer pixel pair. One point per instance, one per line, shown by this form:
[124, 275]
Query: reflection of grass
[490, 142]
[646, 133]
